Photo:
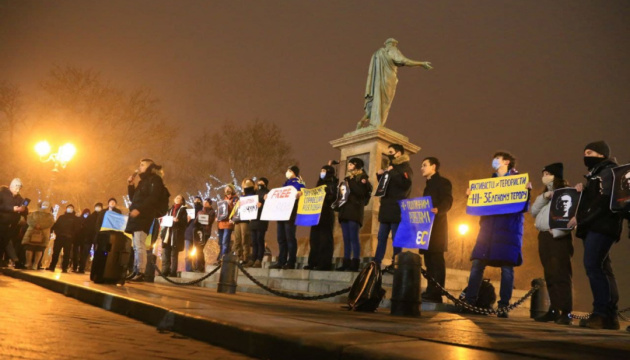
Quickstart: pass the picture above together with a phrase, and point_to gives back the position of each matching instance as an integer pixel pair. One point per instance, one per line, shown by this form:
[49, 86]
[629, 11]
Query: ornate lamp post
[60, 159]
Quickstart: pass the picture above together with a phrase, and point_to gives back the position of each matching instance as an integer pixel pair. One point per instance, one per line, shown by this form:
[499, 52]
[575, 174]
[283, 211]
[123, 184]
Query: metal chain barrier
[289, 296]
[475, 309]
[187, 283]
[588, 315]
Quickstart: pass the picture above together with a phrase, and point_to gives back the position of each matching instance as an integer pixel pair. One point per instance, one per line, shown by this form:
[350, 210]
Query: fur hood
[403, 158]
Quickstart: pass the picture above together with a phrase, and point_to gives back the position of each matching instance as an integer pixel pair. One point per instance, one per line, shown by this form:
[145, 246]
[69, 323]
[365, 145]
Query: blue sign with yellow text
[416, 222]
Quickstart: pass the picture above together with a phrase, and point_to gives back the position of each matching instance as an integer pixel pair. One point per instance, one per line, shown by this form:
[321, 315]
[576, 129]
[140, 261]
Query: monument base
[368, 144]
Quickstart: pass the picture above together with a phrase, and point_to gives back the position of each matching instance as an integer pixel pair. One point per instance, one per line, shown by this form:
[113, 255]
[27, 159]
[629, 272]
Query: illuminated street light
[66, 152]
[60, 159]
[463, 229]
[42, 148]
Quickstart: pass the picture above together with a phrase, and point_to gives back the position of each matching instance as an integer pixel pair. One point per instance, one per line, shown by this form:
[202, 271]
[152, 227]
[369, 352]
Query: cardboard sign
[416, 223]
[279, 204]
[203, 219]
[248, 207]
[166, 221]
[190, 213]
[564, 204]
[498, 195]
[620, 197]
[310, 206]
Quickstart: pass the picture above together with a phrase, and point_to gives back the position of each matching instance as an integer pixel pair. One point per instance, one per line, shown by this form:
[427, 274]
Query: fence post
[406, 287]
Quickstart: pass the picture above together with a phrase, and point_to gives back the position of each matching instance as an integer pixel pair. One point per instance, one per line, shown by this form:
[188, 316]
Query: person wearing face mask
[206, 232]
[399, 188]
[78, 244]
[193, 239]
[259, 227]
[287, 242]
[555, 248]
[321, 239]
[88, 235]
[226, 226]
[499, 242]
[173, 237]
[11, 208]
[599, 228]
[242, 241]
[66, 229]
[37, 235]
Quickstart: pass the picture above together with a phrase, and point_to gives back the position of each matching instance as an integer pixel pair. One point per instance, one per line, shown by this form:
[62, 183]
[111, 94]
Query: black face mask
[390, 156]
[591, 161]
[261, 186]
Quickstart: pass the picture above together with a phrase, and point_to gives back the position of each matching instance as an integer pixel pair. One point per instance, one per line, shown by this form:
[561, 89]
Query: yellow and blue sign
[113, 221]
[498, 195]
[414, 231]
[310, 206]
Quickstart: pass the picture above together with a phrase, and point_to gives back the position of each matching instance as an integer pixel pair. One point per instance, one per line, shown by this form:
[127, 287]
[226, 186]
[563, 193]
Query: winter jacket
[594, 213]
[328, 214]
[298, 184]
[175, 235]
[89, 228]
[399, 188]
[7, 202]
[237, 219]
[67, 226]
[500, 237]
[227, 224]
[39, 223]
[441, 192]
[353, 209]
[540, 210]
[193, 226]
[212, 215]
[259, 225]
[145, 198]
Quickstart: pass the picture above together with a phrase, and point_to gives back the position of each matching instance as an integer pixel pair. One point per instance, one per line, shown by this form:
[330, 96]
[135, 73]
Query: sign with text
[620, 199]
[310, 206]
[279, 204]
[416, 222]
[203, 219]
[248, 207]
[498, 195]
[564, 204]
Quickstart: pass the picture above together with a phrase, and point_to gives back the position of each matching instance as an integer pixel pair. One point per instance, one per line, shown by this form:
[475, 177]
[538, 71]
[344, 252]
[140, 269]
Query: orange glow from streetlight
[42, 148]
[463, 229]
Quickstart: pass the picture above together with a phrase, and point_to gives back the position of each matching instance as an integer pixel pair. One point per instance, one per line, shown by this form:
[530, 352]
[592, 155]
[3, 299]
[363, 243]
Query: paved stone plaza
[271, 327]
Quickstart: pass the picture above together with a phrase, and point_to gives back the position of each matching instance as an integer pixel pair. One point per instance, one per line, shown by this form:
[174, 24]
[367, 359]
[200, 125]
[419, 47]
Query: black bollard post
[540, 299]
[149, 273]
[406, 288]
[227, 278]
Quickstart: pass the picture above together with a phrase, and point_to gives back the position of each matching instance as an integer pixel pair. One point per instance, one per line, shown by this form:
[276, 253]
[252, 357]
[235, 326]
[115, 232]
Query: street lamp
[60, 159]
[463, 230]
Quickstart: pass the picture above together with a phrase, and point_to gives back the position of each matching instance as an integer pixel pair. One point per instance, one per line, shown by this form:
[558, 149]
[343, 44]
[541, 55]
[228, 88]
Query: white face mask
[69, 210]
[98, 208]
[44, 207]
[496, 164]
[85, 215]
[322, 175]
[547, 179]
[289, 174]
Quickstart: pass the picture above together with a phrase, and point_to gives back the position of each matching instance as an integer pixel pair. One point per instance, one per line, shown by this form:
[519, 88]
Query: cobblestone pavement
[36, 323]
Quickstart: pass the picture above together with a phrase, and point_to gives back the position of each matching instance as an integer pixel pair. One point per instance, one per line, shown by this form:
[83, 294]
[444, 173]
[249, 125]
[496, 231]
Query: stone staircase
[311, 282]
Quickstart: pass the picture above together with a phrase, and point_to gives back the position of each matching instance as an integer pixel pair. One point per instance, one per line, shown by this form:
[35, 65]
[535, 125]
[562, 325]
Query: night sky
[538, 78]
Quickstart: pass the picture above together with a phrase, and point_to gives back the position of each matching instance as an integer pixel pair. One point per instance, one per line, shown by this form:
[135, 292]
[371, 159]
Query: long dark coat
[175, 235]
[353, 209]
[399, 188]
[441, 192]
[145, 198]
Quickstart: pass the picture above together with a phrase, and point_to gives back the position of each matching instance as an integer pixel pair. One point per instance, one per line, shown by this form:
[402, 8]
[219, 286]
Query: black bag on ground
[111, 258]
[366, 292]
[486, 297]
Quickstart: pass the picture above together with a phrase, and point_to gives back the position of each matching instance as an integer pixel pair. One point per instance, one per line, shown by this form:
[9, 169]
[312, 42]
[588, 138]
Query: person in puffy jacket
[37, 235]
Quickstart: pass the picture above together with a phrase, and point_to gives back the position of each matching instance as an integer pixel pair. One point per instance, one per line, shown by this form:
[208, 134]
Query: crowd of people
[24, 236]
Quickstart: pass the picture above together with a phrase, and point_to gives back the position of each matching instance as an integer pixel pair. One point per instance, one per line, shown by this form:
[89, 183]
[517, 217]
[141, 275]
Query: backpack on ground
[486, 297]
[366, 292]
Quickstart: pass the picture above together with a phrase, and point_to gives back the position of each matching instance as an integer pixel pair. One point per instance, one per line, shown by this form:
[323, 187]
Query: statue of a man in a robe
[381, 82]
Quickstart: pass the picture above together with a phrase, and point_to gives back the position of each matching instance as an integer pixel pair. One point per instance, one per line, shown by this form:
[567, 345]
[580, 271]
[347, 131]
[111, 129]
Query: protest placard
[222, 210]
[414, 230]
[620, 198]
[381, 189]
[310, 206]
[248, 207]
[279, 204]
[498, 195]
[564, 204]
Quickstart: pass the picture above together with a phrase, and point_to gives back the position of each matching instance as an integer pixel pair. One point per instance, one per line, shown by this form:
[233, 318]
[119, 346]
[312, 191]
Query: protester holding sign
[399, 188]
[225, 225]
[287, 242]
[499, 242]
[441, 192]
[173, 237]
[600, 228]
[321, 238]
[259, 227]
[555, 248]
[193, 238]
[242, 241]
[351, 214]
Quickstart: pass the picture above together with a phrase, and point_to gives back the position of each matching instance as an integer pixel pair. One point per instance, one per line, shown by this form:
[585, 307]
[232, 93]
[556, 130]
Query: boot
[551, 315]
[564, 319]
[354, 264]
[345, 265]
[257, 264]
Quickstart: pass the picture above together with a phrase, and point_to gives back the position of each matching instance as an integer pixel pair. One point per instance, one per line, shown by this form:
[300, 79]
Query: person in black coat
[351, 214]
[88, 235]
[173, 238]
[66, 229]
[149, 199]
[11, 208]
[441, 192]
[194, 239]
[399, 188]
[321, 238]
[258, 227]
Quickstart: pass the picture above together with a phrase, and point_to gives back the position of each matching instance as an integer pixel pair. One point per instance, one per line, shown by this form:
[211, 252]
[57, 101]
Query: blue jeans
[224, 241]
[599, 271]
[351, 244]
[287, 243]
[381, 247]
[476, 278]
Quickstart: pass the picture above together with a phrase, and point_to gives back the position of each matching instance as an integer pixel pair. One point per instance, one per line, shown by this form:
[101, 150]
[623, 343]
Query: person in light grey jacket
[555, 248]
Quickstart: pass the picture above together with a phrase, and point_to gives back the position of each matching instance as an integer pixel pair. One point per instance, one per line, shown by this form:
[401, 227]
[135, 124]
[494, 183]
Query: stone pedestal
[368, 144]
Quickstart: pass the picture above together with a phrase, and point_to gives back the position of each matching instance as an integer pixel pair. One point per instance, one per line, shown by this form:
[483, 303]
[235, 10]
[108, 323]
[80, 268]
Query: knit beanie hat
[555, 169]
[358, 163]
[295, 169]
[601, 147]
